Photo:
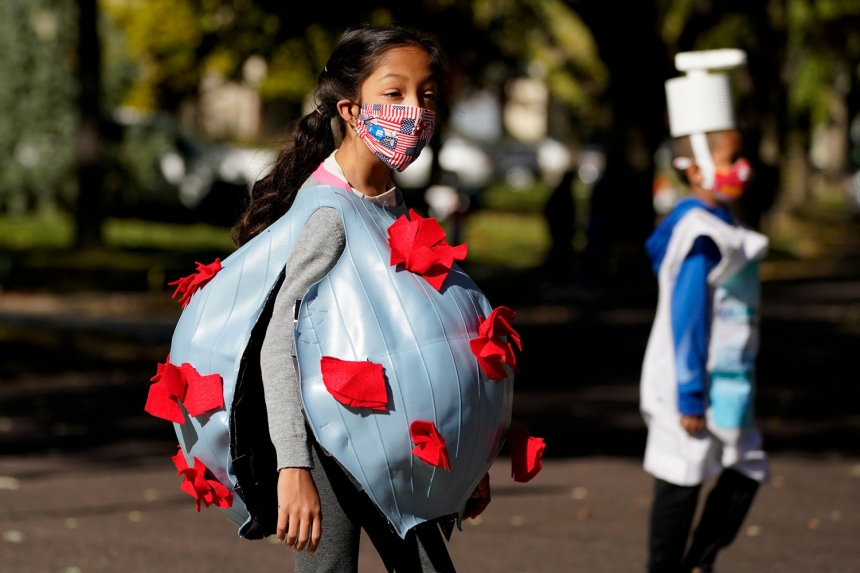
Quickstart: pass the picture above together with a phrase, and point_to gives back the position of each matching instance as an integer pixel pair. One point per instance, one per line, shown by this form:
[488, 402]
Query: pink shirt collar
[330, 173]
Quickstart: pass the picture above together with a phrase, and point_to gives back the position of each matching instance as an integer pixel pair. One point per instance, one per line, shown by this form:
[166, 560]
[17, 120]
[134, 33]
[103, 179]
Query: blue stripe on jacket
[691, 304]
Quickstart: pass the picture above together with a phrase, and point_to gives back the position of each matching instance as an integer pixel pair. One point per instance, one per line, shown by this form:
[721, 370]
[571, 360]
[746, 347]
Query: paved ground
[71, 514]
[87, 484]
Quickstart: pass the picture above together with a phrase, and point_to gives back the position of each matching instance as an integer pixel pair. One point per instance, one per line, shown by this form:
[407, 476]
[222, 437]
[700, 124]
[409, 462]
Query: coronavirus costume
[406, 371]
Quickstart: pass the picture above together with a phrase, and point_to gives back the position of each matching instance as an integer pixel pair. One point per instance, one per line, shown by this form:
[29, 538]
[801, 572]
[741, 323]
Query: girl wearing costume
[340, 363]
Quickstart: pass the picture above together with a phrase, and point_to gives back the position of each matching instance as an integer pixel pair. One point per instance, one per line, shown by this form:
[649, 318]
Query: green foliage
[576, 74]
[821, 43]
[20, 233]
[676, 15]
[56, 231]
[506, 239]
[296, 63]
[136, 160]
[820, 36]
[136, 234]
[572, 36]
[119, 71]
[37, 121]
[731, 30]
[174, 42]
[501, 197]
[808, 93]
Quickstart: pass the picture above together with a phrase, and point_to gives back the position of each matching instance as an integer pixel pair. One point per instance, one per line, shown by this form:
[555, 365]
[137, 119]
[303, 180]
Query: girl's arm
[317, 249]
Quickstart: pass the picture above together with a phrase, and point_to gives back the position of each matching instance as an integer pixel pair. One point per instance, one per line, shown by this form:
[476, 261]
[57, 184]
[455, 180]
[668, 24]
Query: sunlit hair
[357, 54]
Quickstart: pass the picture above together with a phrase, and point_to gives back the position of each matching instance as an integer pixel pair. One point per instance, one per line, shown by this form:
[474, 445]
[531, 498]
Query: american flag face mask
[395, 133]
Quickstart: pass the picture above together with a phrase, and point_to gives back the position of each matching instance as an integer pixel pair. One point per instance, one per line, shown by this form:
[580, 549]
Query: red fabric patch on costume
[356, 384]
[192, 283]
[419, 245]
[429, 444]
[174, 384]
[203, 393]
[490, 349]
[200, 484]
[165, 395]
[526, 454]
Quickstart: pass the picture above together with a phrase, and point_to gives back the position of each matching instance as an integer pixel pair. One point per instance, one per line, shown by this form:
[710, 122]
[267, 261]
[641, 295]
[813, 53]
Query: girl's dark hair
[356, 55]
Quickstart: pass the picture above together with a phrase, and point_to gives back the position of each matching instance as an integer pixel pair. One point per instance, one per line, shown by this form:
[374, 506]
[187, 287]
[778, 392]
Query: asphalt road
[105, 512]
[86, 482]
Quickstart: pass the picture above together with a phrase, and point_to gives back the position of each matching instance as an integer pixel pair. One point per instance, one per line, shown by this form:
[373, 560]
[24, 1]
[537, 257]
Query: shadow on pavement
[77, 382]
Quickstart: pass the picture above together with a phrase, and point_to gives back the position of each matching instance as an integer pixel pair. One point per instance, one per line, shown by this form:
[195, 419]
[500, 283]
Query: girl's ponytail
[356, 55]
[274, 194]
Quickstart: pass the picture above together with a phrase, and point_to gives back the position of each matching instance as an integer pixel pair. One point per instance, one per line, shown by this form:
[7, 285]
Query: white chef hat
[701, 101]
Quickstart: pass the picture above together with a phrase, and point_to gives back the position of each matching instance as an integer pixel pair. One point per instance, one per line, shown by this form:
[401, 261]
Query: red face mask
[729, 184]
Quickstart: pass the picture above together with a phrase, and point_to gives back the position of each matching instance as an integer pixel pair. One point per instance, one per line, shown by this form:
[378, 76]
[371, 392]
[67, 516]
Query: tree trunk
[622, 212]
[89, 213]
[763, 115]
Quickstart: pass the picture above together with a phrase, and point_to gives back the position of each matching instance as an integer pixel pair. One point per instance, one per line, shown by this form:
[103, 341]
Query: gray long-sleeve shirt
[318, 248]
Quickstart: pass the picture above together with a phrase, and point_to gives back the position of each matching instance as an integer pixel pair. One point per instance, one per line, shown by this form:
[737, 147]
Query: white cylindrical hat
[701, 101]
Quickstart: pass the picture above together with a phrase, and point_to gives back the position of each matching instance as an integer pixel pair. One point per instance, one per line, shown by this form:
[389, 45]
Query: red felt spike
[187, 286]
[179, 460]
[355, 384]
[166, 393]
[429, 231]
[493, 351]
[400, 235]
[526, 454]
[221, 496]
[175, 384]
[204, 393]
[429, 444]
[189, 473]
[200, 484]
[418, 244]
[170, 377]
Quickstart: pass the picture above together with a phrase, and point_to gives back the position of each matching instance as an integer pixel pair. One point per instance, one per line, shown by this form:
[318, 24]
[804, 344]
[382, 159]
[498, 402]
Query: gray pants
[346, 511]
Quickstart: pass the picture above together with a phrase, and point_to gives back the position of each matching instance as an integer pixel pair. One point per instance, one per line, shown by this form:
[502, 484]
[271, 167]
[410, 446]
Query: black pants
[346, 511]
[672, 518]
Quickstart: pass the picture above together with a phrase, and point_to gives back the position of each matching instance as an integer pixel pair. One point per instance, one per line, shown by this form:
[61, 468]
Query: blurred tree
[622, 213]
[89, 211]
[802, 80]
[572, 45]
[819, 77]
[175, 42]
[605, 61]
[37, 111]
[757, 28]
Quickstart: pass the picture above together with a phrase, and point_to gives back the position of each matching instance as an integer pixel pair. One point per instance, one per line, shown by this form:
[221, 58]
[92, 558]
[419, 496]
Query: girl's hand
[480, 499]
[299, 514]
[692, 424]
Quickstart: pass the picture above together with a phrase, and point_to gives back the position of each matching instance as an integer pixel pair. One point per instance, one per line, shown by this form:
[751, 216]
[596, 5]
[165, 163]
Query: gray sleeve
[317, 249]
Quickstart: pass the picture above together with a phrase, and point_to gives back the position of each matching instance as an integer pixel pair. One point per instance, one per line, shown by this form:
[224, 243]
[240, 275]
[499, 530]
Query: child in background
[698, 374]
